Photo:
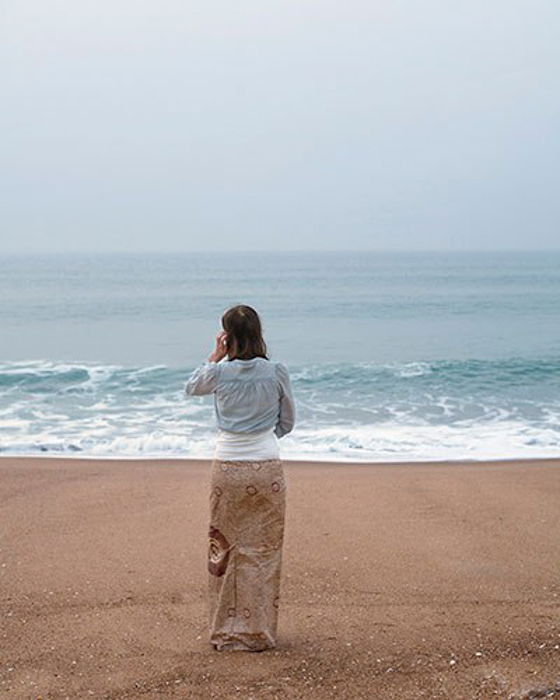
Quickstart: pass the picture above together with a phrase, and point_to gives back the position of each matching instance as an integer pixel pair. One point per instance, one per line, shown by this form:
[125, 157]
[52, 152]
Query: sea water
[392, 356]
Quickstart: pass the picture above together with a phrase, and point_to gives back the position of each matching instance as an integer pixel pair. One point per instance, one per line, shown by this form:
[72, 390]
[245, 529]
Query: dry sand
[399, 581]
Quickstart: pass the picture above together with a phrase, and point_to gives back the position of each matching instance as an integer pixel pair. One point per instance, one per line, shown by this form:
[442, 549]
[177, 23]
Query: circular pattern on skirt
[276, 601]
[276, 486]
[231, 612]
[218, 491]
[246, 612]
[218, 552]
[251, 490]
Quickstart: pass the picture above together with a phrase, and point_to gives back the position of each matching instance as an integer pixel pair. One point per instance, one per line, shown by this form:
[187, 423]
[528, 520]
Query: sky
[279, 125]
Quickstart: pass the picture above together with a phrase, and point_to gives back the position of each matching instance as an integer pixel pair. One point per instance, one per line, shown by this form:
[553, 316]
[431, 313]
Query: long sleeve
[203, 380]
[287, 414]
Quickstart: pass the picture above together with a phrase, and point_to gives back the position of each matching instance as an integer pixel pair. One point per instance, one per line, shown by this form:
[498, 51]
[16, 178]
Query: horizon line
[284, 251]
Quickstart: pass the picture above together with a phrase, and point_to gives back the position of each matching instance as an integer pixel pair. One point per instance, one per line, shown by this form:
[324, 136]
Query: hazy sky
[215, 125]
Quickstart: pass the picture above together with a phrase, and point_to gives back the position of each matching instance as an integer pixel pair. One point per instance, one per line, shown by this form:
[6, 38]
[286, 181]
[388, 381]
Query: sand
[399, 581]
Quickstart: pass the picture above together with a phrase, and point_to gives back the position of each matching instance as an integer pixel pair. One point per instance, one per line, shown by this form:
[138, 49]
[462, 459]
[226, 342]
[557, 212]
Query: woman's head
[244, 333]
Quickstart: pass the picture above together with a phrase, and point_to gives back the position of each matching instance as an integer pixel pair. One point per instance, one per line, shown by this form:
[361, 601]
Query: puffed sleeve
[287, 413]
[203, 380]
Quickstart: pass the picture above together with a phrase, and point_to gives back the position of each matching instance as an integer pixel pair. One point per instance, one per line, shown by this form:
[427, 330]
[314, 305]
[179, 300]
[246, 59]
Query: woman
[254, 406]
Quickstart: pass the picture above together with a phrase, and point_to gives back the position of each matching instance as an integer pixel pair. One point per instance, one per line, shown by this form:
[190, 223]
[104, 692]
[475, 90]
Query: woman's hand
[220, 351]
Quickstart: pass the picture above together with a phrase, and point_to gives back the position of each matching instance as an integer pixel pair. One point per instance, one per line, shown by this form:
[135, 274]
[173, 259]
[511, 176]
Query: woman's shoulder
[281, 369]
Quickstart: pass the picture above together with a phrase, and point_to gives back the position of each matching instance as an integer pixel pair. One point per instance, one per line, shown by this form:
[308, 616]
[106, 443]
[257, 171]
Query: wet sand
[399, 581]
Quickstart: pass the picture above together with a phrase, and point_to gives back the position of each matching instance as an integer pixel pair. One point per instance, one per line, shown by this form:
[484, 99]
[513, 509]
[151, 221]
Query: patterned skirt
[246, 533]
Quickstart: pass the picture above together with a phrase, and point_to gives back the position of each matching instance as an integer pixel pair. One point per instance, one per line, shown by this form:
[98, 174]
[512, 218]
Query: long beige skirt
[246, 533]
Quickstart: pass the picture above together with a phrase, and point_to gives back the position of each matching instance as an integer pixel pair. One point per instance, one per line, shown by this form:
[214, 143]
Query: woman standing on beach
[254, 406]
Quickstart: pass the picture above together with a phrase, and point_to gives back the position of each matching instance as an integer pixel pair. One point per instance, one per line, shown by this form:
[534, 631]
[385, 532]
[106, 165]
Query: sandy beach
[400, 581]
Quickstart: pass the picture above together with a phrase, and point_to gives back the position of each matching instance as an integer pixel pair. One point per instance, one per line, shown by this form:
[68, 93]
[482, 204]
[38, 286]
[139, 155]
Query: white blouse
[249, 395]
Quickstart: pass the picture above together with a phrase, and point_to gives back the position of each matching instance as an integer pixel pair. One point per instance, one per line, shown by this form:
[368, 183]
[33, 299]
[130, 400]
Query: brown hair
[244, 339]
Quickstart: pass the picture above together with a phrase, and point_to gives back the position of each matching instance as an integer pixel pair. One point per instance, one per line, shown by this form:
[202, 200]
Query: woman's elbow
[283, 427]
[190, 389]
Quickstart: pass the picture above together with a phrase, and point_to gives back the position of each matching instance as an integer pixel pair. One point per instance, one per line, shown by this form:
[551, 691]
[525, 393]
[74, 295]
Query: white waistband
[261, 445]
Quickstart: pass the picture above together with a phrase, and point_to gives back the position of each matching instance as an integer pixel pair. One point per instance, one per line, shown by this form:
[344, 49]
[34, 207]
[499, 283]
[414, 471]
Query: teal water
[392, 355]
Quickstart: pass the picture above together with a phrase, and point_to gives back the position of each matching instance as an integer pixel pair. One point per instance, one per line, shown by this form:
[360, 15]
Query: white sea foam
[422, 442]
[411, 369]
[498, 440]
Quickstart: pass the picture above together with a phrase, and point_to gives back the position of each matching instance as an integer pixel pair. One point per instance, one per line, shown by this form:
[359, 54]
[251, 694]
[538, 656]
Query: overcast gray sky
[293, 124]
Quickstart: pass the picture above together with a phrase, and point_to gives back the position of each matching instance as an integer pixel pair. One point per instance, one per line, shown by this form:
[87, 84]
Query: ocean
[393, 356]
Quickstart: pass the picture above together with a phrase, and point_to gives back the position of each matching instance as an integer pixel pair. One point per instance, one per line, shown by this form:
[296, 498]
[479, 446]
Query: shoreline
[440, 581]
[294, 461]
